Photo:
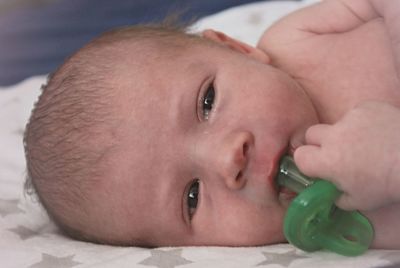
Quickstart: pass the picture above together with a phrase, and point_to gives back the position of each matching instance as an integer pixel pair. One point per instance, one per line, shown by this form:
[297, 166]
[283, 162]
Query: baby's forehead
[149, 82]
[156, 98]
[162, 66]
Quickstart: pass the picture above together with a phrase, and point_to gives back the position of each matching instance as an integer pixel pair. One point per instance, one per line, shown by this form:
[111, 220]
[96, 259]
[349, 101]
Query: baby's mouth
[285, 196]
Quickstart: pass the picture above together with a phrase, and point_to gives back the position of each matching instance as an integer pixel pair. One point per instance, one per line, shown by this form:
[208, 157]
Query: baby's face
[200, 145]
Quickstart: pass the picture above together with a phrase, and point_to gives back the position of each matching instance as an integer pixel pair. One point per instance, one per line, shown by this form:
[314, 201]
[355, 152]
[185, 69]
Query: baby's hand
[360, 154]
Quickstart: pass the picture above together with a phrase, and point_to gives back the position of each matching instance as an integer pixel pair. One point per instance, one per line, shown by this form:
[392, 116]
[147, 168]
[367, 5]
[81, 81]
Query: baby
[149, 136]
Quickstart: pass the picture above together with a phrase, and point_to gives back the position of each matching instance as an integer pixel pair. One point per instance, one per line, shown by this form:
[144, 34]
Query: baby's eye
[192, 198]
[208, 101]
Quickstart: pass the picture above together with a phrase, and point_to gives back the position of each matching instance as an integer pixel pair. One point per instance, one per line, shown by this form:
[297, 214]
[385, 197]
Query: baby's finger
[346, 202]
[309, 160]
[316, 133]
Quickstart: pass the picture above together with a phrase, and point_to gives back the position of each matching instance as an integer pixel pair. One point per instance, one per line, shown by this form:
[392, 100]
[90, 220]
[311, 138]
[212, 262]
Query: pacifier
[313, 221]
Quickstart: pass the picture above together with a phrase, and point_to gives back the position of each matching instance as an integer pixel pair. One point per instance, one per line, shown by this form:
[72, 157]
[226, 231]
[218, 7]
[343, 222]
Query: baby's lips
[287, 191]
[286, 195]
[276, 166]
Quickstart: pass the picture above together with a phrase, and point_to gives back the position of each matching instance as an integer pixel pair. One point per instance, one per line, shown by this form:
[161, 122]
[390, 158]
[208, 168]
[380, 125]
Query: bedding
[29, 239]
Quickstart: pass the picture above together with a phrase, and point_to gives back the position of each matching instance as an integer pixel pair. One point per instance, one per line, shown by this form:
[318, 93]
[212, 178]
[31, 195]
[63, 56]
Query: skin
[373, 125]
[259, 114]
[234, 153]
[357, 141]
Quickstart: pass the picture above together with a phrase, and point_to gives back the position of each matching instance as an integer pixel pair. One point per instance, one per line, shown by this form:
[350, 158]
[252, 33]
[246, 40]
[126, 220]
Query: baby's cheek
[253, 227]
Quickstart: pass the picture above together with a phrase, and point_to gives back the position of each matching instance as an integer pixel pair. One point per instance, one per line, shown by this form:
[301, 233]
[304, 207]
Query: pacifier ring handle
[313, 221]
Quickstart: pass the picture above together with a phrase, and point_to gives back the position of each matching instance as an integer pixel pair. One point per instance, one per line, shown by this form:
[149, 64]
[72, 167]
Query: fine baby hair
[71, 131]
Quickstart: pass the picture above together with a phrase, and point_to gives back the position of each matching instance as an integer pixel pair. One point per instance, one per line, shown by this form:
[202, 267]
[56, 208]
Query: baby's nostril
[239, 176]
[245, 148]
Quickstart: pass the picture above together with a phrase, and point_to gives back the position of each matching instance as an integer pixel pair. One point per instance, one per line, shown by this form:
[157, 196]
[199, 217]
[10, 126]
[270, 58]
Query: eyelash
[204, 108]
[206, 103]
[192, 197]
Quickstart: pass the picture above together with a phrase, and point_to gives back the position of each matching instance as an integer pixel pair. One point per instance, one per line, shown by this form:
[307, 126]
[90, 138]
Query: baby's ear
[236, 45]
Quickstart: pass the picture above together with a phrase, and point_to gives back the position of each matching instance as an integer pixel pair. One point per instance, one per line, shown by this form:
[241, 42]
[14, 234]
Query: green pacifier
[314, 222]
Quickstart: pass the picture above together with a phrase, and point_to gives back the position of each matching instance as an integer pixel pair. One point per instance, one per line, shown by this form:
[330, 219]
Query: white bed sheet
[29, 239]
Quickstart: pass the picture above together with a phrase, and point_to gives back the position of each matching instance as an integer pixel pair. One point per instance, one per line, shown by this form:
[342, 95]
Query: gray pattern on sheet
[49, 261]
[284, 259]
[23, 232]
[8, 207]
[255, 18]
[165, 258]
[392, 257]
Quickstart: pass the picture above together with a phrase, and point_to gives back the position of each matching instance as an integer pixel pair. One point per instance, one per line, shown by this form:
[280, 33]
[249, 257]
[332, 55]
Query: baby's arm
[360, 154]
[326, 17]
[390, 11]
[285, 40]
[386, 222]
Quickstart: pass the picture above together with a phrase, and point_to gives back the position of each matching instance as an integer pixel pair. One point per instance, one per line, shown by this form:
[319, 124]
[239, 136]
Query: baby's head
[150, 136]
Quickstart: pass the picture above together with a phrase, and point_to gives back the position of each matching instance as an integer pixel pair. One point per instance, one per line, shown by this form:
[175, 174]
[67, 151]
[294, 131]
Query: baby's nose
[232, 159]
